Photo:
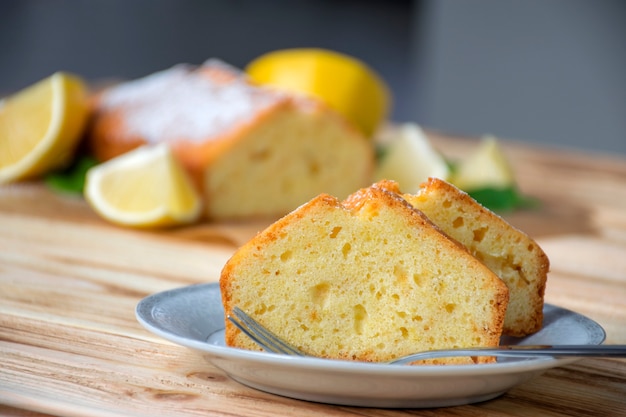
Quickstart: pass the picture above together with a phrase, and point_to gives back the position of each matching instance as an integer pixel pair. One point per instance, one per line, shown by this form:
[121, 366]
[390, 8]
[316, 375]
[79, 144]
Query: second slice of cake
[510, 253]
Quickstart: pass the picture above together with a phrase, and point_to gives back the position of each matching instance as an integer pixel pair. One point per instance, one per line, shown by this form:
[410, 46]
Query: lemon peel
[41, 126]
[344, 83]
[146, 187]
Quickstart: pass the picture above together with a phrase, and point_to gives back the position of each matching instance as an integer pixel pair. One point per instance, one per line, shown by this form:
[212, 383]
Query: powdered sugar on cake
[183, 103]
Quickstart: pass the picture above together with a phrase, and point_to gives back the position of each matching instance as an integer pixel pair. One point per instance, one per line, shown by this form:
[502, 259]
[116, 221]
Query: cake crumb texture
[370, 279]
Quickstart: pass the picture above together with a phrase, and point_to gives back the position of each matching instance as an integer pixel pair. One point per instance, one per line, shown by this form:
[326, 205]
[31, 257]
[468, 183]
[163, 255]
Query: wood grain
[69, 283]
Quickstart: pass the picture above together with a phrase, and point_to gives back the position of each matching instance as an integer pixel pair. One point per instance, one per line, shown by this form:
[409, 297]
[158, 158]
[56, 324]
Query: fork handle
[605, 351]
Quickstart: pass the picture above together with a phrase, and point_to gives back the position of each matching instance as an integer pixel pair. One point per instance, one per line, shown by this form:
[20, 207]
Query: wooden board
[69, 283]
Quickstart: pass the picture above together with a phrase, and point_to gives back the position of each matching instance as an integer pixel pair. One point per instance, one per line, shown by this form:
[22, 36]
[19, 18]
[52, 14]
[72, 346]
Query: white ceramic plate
[193, 317]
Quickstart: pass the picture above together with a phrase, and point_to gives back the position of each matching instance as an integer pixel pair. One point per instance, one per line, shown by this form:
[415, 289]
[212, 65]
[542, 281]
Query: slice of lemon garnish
[146, 187]
[41, 126]
[344, 83]
[486, 167]
[409, 158]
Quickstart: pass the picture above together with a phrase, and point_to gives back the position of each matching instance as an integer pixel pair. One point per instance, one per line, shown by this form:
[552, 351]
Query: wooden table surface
[69, 283]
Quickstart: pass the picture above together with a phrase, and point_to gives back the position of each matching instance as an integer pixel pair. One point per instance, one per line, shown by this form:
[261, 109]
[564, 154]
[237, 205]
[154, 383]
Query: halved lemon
[344, 83]
[146, 187]
[486, 167]
[40, 127]
[409, 158]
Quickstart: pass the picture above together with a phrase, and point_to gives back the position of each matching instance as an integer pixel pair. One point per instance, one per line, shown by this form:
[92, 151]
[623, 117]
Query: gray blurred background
[544, 71]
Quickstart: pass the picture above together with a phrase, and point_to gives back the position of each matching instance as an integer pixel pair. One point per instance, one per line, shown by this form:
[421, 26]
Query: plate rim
[143, 315]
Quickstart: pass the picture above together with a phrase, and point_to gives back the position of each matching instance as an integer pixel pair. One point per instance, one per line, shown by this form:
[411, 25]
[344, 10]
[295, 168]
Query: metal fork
[272, 343]
[260, 335]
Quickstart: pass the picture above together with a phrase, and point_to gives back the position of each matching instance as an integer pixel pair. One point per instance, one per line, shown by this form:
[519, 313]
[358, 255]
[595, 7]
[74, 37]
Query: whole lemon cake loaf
[367, 279]
[510, 253]
[251, 150]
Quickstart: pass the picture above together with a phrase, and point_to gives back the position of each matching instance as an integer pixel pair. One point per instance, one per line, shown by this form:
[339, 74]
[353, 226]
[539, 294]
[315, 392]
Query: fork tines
[260, 335]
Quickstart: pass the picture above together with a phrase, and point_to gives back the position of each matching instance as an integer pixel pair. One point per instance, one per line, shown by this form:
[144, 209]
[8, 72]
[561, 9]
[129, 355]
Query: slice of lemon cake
[252, 151]
[510, 253]
[368, 279]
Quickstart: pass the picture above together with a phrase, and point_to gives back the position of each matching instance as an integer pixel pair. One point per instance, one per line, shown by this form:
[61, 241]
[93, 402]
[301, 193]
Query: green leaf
[453, 166]
[503, 199]
[380, 151]
[72, 179]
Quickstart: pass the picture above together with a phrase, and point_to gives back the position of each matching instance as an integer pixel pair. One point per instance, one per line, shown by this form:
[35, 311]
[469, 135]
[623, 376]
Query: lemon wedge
[344, 83]
[486, 167]
[409, 158]
[146, 187]
[41, 126]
